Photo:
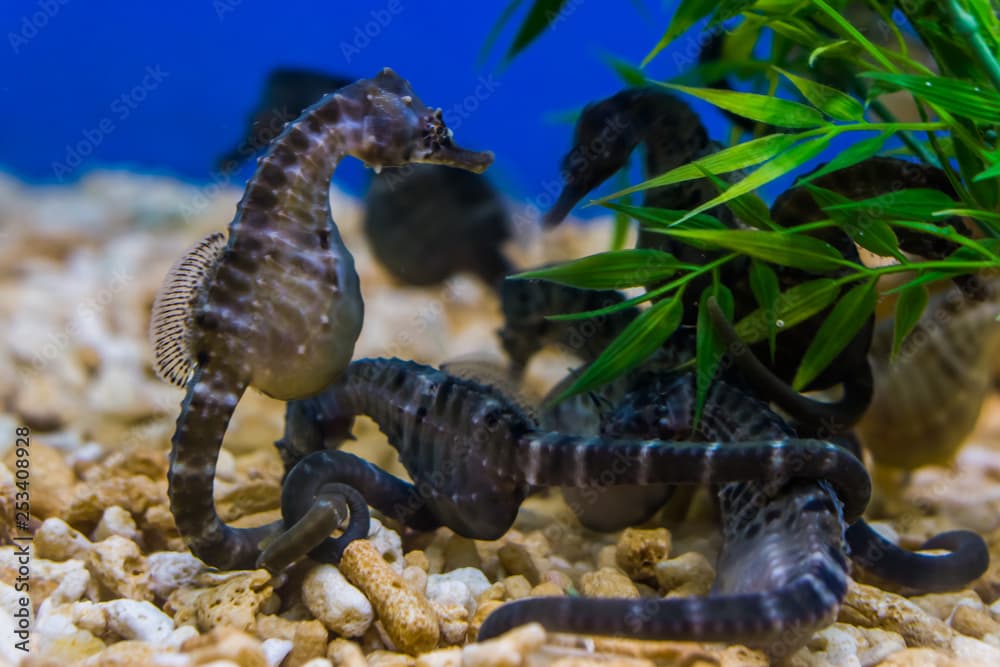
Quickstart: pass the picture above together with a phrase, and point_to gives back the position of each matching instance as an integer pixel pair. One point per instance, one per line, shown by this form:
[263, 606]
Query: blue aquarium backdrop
[167, 87]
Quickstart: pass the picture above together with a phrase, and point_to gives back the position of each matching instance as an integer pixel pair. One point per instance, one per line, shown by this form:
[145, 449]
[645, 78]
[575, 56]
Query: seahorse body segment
[279, 309]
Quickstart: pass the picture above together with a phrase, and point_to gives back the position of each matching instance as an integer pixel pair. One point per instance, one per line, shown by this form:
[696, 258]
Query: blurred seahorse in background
[277, 306]
[928, 398]
[424, 222]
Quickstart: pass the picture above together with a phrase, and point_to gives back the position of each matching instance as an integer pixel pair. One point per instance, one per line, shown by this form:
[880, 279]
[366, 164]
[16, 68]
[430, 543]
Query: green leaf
[832, 102]
[796, 304]
[737, 157]
[615, 269]
[709, 347]
[859, 152]
[632, 346]
[908, 204]
[844, 321]
[541, 14]
[626, 71]
[959, 97]
[656, 218]
[833, 49]
[909, 307]
[686, 15]
[749, 208]
[505, 16]
[870, 233]
[761, 108]
[792, 159]
[764, 285]
[970, 163]
[797, 251]
[992, 171]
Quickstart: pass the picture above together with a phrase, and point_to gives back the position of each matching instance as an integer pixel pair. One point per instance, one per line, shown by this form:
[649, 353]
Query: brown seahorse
[277, 306]
[928, 398]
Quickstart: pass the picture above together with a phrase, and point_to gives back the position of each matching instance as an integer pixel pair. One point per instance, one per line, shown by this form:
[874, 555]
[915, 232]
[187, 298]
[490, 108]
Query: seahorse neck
[289, 191]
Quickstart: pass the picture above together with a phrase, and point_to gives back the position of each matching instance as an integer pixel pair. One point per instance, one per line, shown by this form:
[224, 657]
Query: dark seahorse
[474, 456]
[277, 305]
[607, 133]
[424, 222]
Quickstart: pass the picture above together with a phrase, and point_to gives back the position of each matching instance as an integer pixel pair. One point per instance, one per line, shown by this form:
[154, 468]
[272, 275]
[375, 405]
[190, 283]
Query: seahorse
[277, 305]
[928, 398]
[424, 222]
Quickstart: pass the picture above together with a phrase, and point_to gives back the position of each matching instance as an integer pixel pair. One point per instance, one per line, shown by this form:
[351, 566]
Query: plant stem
[965, 24]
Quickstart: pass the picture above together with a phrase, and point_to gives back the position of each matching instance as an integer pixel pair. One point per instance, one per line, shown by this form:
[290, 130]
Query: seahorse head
[404, 130]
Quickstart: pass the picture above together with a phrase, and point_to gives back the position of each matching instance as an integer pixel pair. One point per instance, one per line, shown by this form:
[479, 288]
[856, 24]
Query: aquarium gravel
[100, 571]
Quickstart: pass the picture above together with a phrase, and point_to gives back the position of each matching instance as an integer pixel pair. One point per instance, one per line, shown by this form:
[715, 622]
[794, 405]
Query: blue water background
[166, 87]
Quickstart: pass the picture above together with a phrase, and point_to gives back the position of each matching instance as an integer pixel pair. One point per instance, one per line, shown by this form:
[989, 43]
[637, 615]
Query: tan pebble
[842, 644]
[546, 589]
[249, 497]
[608, 582]
[516, 587]
[343, 653]
[871, 607]
[225, 643]
[941, 605]
[416, 558]
[332, 599]
[116, 521]
[123, 654]
[234, 603]
[159, 530]
[639, 550]
[496, 592]
[119, 566]
[691, 572]
[389, 659]
[56, 540]
[445, 657]
[135, 494]
[454, 622]
[407, 616]
[270, 626]
[485, 608]
[508, 650]
[559, 579]
[660, 652]
[52, 480]
[461, 552]
[416, 578]
[517, 560]
[435, 557]
[974, 622]
[67, 649]
[308, 642]
[919, 657]
[741, 656]
[607, 556]
[602, 661]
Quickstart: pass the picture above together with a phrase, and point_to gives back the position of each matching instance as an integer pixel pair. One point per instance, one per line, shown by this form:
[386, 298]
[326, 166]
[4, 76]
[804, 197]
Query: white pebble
[388, 543]
[448, 593]
[116, 521]
[335, 602]
[138, 619]
[170, 570]
[275, 650]
[57, 540]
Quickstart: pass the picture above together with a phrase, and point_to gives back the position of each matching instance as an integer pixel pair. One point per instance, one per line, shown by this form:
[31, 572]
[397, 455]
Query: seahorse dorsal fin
[170, 323]
[495, 375]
